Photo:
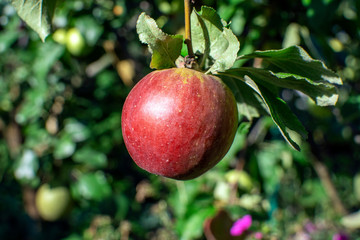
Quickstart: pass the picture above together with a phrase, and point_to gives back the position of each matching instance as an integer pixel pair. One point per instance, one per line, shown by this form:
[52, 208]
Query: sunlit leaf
[165, 48]
[323, 93]
[216, 43]
[47, 54]
[90, 157]
[193, 227]
[64, 147]
[76, 130]
[292, 35]
[295, 60]
[352, 220]
[93, 186]
[27, 166]
[289, 125]
[37, 14]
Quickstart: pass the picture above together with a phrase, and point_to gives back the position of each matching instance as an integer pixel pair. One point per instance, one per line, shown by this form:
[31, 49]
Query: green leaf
[37, 14]
[288, 124]
[227, 52]
[9, 35]
[193, 227]
[90, 157]
[64, 147]
[216, 43]
[32, 106]
[27, 166]
[165, 48]
[93, 186]
[292, 35]
[73, 236]
[357, 186]
[323, 93]
[313, 193]
[4, 159]
[248, 101]
[352, 220]
[306, 3]
[90, 28]
[46, 55]
[268, 160]
[76, 130]
[295, 60]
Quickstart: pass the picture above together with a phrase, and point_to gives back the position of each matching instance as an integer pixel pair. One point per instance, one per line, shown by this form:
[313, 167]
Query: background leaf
[9, 35]
[47, 55]
[191, 230]
[90, 157]
[165, 48]
[37, 14]
[93, 186]
[64, 147]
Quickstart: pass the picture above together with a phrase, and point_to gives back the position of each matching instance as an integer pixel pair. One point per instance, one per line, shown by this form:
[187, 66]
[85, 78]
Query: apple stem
[188, 8]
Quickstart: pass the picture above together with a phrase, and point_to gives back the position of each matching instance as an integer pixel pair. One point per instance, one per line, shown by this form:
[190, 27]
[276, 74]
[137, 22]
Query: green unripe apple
[52, 203]
[59, 36]
[75, 42]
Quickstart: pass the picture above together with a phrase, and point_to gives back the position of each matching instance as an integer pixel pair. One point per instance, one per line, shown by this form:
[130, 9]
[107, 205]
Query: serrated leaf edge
[331, 100]
[304, 55]
[163, 35]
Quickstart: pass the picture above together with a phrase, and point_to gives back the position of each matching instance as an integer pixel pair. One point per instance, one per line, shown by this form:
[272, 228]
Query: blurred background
[64, 170]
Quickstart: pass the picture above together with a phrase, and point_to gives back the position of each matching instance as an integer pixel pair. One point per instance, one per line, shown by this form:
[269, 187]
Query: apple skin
[52, 203]
[178, 122]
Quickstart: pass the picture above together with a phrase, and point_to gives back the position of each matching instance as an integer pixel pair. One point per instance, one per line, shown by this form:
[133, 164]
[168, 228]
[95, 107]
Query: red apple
[179, 122]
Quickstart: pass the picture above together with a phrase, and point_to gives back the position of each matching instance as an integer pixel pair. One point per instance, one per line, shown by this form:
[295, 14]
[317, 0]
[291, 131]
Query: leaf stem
[188, 8]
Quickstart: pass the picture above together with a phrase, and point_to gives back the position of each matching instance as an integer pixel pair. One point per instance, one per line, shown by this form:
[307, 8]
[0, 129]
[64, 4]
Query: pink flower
[241, 225]
[340, 236]
[310, 227]
[258, 235]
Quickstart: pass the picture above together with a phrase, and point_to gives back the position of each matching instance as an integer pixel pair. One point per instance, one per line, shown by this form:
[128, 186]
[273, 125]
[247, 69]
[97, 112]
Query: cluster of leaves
[216, 47]
[60, 118]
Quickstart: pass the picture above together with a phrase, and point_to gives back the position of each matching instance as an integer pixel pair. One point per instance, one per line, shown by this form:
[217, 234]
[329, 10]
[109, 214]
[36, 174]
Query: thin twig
[328, 185]
[187, 8]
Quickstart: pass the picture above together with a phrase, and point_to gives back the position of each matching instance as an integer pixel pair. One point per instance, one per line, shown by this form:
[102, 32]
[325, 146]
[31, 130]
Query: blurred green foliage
[60, 123]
